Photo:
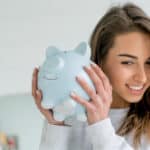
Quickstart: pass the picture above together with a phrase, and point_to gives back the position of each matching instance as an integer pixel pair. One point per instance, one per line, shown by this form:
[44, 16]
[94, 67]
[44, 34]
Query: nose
[140, 76]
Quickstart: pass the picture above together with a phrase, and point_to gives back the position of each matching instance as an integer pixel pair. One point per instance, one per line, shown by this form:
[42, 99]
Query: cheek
[118, 76]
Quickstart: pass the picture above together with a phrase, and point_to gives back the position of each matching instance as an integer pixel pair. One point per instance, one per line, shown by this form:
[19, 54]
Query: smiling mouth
[136, 91]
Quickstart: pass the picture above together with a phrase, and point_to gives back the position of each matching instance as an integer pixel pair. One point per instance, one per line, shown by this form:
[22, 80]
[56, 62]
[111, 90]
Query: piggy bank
[57, 79]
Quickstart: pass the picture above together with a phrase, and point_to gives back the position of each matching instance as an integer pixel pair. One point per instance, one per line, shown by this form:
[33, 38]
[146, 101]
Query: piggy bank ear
[51, 51]
[83, 49]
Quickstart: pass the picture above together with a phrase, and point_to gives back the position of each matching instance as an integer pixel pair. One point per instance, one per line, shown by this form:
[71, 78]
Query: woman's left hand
[100, 98]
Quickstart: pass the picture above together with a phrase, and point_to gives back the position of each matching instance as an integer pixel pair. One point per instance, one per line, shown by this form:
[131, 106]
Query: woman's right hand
[37, 95]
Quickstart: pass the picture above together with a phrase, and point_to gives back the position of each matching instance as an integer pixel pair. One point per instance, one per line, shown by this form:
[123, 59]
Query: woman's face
[127, 65]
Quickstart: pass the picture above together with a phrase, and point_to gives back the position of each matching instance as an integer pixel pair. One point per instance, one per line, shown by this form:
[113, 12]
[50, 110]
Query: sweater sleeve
[103, 137]
[52, 135]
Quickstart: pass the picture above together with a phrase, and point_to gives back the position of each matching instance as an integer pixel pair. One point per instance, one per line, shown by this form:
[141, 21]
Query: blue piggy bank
[57, 79]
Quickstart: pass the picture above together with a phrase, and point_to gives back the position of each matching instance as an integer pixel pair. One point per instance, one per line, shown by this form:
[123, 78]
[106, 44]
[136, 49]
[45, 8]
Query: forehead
[135, 43]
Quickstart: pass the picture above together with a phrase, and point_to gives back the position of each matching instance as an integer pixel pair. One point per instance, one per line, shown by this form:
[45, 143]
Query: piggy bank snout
[54, 64]
[52, 68]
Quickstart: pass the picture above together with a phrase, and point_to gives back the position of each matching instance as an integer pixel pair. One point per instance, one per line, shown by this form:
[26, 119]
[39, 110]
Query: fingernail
[79, 77]
[37, 68]
[34, 72]
[88, 67]
[73, 94]
[93, 64]
[37, 92]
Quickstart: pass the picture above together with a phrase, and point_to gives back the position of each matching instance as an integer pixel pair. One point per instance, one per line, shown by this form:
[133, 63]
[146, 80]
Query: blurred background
[27, 27]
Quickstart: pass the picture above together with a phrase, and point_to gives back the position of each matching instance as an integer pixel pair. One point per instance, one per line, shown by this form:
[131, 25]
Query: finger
[101, 75]
[95, 79]
[53, 121]
[90, 91]
[34, 82]
[81, 101]
[60, 123]
[49, 116]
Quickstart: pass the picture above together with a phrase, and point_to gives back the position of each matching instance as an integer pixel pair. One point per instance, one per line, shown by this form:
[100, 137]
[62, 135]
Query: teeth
[136, 87]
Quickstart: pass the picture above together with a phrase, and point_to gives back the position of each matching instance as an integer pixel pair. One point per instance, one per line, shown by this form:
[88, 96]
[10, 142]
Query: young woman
[119, 109]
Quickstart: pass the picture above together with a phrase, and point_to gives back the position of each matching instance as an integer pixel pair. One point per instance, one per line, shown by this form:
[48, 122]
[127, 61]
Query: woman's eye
[148, 62]
[127, 62]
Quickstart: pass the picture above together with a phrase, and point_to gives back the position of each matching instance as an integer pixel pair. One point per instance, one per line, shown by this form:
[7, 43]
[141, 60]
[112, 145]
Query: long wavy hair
[119, 20]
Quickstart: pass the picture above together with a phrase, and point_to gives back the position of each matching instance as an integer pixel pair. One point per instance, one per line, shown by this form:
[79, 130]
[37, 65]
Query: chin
[134, 99]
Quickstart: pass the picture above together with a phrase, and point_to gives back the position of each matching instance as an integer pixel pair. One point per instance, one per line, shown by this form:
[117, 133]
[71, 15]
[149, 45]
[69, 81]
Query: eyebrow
[130, 56]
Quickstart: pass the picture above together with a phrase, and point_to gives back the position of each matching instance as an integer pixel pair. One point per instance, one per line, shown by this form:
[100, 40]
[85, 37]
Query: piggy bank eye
[54, 64]
[50, 76]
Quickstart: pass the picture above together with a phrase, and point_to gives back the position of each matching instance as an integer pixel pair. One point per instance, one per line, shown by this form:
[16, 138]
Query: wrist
[93, 121]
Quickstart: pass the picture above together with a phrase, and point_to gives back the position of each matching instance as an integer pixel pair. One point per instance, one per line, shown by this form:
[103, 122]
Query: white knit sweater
[81, 136]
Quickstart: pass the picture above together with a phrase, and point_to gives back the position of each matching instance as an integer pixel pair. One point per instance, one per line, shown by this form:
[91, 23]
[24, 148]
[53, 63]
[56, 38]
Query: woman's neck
[118, 102]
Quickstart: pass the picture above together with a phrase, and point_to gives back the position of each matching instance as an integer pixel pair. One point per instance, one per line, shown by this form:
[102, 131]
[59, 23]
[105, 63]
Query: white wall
[27, 27]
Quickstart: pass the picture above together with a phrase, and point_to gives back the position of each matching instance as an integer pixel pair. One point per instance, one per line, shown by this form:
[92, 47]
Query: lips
[137, 90]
